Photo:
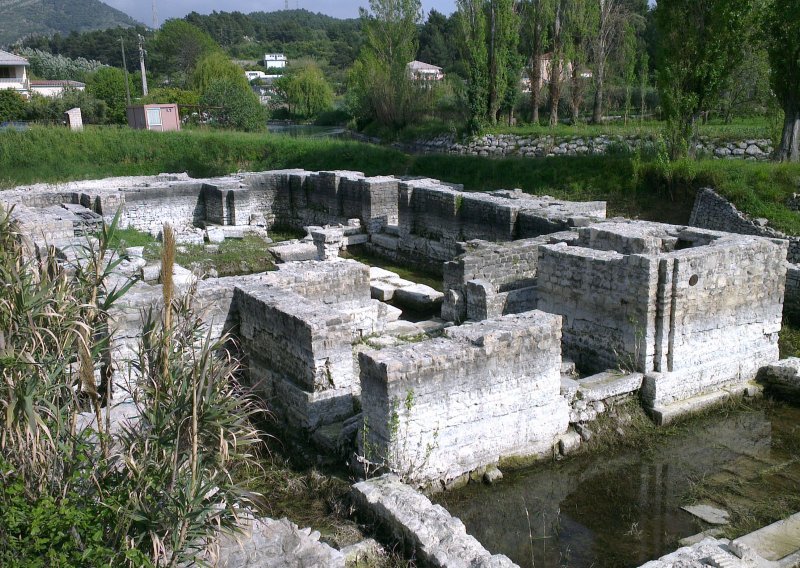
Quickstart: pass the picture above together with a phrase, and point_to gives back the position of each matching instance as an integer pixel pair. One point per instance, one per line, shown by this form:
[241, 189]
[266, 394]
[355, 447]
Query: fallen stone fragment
[708, 513]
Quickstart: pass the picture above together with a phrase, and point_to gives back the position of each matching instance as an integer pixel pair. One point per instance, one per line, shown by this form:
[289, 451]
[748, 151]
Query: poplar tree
[782, 26]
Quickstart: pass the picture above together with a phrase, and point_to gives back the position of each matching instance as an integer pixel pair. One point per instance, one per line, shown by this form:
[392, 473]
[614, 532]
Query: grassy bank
[633, 188]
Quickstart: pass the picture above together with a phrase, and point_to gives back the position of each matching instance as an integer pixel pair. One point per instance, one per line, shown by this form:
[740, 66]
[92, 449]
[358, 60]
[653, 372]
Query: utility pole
[141, 62]
[286, 5]
[155, 16]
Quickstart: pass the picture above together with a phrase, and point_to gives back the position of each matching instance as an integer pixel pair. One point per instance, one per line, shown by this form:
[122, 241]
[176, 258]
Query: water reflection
[615, 510]
[306, 130]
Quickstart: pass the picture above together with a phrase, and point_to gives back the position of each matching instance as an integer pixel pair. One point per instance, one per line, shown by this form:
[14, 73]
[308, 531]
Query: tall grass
[77, 486]
[54, 154]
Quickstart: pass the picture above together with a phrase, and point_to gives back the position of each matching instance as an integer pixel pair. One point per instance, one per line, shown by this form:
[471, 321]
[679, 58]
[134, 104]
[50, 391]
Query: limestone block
[377, 273]
[437, 538]
[569, 442]
[381, 290]
[418, 297]
[783, 375]
[294, 252]
[214, 235]
[609, 384]
[276, 544]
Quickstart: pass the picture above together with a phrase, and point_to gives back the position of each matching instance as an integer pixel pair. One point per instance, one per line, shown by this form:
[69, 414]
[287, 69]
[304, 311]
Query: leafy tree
[503, 36]
[489, 33]
[437, 41]
[629, 63]
[383, 90]
[177, 48]
[582, 20]
[45, 65]
[305, 89]
[557, 58]
[782, 26]
[609, 26]
[171, 95]
[93, 110]
[108, 85]
[700, 42]
[217, 67]
[474, 51]
[536, 17]
[12, 105]
[240, 107]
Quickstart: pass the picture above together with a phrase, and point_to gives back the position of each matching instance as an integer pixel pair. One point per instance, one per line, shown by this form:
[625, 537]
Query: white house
[14, 73]
[419, 71]
[275, 61]
[54, 89]
[252, 75]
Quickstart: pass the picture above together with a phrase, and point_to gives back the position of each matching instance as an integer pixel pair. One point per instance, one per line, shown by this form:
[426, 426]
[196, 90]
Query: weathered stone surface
[708, 552]
[294, 252]
[441, 408]
[418, 297]
[708, 513]
[569, 442]
[712, 211]
[436, 538]
[268, 543]
[609, 384]
[701, 308]
[775, 542]
[783, 376]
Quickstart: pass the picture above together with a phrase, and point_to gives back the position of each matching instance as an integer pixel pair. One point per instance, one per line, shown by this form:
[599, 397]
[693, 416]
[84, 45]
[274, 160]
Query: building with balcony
[14, 73]
[275, 61]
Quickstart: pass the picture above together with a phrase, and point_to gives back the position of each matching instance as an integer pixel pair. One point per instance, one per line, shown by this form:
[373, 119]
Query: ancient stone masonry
[698, 311]
[428, 530]
[712, 211]
[483, 392]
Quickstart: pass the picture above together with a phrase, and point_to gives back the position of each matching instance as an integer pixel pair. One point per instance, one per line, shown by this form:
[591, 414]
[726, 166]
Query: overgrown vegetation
[81, 485]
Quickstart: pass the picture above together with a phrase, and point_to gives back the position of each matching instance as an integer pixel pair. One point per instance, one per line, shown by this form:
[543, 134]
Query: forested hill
[21, 18]
[297, 33]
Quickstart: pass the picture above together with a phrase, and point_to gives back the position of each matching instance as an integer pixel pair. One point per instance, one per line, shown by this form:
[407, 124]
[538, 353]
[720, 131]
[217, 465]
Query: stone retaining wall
[511, 145]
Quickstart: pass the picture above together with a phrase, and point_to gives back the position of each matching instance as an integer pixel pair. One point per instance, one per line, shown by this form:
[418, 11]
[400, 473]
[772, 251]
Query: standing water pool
[620, 508]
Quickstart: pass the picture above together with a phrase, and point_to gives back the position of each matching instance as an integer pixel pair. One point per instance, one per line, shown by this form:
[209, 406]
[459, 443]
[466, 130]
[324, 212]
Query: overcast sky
[141, 9]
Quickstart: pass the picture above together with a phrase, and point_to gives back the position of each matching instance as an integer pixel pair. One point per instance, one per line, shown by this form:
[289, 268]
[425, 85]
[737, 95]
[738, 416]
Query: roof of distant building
[420, 66]
[57, 83]
[7, 58]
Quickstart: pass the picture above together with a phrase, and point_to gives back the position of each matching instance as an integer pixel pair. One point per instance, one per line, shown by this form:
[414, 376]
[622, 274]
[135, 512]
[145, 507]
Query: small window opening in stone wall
[693, 280]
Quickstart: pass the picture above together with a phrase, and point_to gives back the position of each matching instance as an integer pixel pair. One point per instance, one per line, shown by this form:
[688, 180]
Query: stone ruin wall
[712, 211]
[483, 392]
[696, 310]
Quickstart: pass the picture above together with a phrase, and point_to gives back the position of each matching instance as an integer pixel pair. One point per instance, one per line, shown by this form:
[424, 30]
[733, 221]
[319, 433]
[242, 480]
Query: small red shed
[154, 117]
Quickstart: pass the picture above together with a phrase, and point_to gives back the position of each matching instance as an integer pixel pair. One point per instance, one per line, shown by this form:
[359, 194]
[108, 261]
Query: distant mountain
[21, 18]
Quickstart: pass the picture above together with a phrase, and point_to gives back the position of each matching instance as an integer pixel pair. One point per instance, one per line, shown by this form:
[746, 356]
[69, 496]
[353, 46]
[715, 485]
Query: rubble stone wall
[485, 391]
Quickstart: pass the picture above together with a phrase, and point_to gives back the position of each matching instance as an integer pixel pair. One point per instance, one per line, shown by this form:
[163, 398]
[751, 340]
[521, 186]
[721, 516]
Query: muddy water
[623, 509]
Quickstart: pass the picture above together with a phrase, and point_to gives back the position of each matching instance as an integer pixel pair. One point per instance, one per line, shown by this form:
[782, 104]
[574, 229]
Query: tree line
[506, 60]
